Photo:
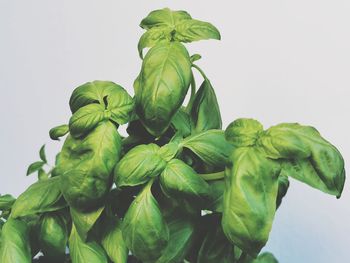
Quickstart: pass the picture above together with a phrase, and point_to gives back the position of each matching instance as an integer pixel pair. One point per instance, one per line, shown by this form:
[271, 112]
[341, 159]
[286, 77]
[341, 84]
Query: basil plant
[178, 187]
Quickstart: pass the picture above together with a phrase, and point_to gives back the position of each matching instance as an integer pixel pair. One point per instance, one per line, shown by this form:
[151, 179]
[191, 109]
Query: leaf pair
[257, 177]
[165, 25]
[98, 101]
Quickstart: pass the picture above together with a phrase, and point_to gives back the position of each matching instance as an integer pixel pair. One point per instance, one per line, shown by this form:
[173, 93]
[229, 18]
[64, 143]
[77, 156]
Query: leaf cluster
[177, 188]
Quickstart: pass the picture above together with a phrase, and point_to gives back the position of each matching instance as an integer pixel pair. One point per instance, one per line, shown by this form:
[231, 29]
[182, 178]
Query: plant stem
[213, 176]
[193, 93]
[200, 71]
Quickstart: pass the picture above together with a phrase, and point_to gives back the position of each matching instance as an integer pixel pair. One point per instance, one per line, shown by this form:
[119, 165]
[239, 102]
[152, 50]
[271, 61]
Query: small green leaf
[15, 242]
[195, 57]
[113, 242]
[42, 154]
[81, 251]
[205, 112]
[42, 196]
[86, 119]
[152, 37]
[283, 185]
[250, 199]
[181, 239]
[53, 237]
[194, 30]
[34, 167]
[178, 180]
[84, 221]
[58, 131]
[144, 230]
[164, 18]
[139, 165]
[210, 146]
[6, 202]
[243, 132]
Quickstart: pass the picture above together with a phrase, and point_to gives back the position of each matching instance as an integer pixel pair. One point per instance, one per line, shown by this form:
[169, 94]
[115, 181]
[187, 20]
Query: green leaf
[215, 246]
[161, 87]
[243, 132]
[169, 151]
[250, 199]
[58, 131]
[113, 242]
[53, 237]
[42, 154]
[313, 160]
[194, 30]
[205, 112]
[210, 146]
[178, 180]
[42, 196]
[34, 167]
[15, 243]
[6, 202]
[216, 198]
[144, 230]
[181, 122]
[84, 221]
[265, 258]
[81, 251]
[152, 37]
[195, 57]
[181, 239]
[139, 165]
[283, 185]
[86, 119]
[113, 96]
[120, 105]
[164, 18]
[85, 166]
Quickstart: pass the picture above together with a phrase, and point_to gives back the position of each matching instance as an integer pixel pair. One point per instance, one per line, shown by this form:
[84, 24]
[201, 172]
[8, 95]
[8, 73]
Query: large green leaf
[250, 199]
[139, 165]
[86, 119]
[85, 166]
[178, 181]
[42, 196]
[144, 230]
[81, 252]
[205, 111]
[14, 246]
[215, 246]
[311, 159]
[113, 242]
[181, 230]
[161, 87]
[53, 237]
[84, 221]
[210, 146]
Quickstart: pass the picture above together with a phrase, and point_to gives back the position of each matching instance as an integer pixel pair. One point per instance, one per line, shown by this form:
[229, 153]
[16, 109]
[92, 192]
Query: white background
[278, 61]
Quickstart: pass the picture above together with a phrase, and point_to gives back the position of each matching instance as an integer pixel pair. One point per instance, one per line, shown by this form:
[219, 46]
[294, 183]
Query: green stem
[200, 71]
[193, 93]
[213, 176]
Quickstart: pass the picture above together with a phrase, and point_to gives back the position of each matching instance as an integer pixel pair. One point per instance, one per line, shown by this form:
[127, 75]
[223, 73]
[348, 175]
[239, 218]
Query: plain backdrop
[278, 61]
